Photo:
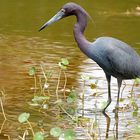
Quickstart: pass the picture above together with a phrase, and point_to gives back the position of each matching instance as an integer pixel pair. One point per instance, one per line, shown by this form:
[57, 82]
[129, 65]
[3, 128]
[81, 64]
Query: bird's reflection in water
[107, 124]
[116, 123]
[108, 121]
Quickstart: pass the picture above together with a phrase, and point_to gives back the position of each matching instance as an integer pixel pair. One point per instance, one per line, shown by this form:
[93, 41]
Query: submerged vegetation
[62, 103]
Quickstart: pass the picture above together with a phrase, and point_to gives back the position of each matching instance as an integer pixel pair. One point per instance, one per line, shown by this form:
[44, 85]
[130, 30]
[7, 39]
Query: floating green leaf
[85, 77]
[62, 66]
[134, 104]
[70, 100]
[64, 61]
[135, 113]
[137, 81]
[102, 104]
[56, 131]
[40, 98]
[32, 71]
[23, 117]
[122, 99]
[93, 86]
[73, 94]
[71, 111]
[69, 135]
[71, 97]
[38, 136]
[137, 129]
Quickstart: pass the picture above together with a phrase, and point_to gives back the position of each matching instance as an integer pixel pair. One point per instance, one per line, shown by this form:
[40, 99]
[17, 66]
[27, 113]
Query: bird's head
[67, 10]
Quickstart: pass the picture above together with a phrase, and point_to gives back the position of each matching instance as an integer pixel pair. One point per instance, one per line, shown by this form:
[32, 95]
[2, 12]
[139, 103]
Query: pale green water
[21, 46]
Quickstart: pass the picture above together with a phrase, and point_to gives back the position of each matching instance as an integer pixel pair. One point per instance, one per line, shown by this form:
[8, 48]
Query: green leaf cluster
[38, 136]
[85, 77]
[137, 81]
[32, 71]
[22, 118]
[55, 131]
[72, 97]
[40, 98]
[68, 134]
[63, 63]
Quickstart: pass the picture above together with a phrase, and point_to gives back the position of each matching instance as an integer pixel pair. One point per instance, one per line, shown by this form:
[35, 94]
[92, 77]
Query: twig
[3, 95]
[7, 136]
[58, 84]
[83, 96]
[65, 84]
[2, 126]
[89, 135]
[24, 135]
[46, 80]
[65, 112]
[31, 127]
[35, 84]
[40, 83]
[2, 108]
[44, 74]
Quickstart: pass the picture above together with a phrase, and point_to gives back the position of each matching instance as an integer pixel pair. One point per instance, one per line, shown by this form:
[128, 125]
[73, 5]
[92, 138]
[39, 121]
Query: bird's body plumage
[104, 52]
[115, 57]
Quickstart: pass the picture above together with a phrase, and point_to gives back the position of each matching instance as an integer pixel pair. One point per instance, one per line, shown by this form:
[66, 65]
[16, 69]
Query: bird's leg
[119, 86]
[108, 77]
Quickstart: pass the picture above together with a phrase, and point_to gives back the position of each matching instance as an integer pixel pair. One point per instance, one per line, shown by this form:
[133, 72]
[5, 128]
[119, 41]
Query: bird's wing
[115, 57]
[117, 44]
[123, 59]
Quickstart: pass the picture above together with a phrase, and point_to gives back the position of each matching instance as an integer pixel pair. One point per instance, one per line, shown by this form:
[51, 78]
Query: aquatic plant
[64, 107]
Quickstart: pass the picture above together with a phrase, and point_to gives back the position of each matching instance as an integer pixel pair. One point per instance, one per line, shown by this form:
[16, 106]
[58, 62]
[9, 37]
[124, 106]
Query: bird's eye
[63, 10]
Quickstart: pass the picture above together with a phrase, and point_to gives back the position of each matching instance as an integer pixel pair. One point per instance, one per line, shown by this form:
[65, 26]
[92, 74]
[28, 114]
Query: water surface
[22, 46]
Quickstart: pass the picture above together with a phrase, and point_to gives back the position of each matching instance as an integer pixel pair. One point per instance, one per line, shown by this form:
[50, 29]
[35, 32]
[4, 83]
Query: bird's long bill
[55, 18]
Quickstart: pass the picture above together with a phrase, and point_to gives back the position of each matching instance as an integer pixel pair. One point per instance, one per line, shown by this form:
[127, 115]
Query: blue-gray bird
[115, 57]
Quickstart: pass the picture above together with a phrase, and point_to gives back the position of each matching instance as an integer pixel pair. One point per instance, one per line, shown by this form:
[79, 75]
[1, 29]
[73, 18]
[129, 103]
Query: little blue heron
[115, 57]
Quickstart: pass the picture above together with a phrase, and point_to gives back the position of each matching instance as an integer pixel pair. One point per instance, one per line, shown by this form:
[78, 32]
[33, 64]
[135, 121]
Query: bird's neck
[79, 30]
